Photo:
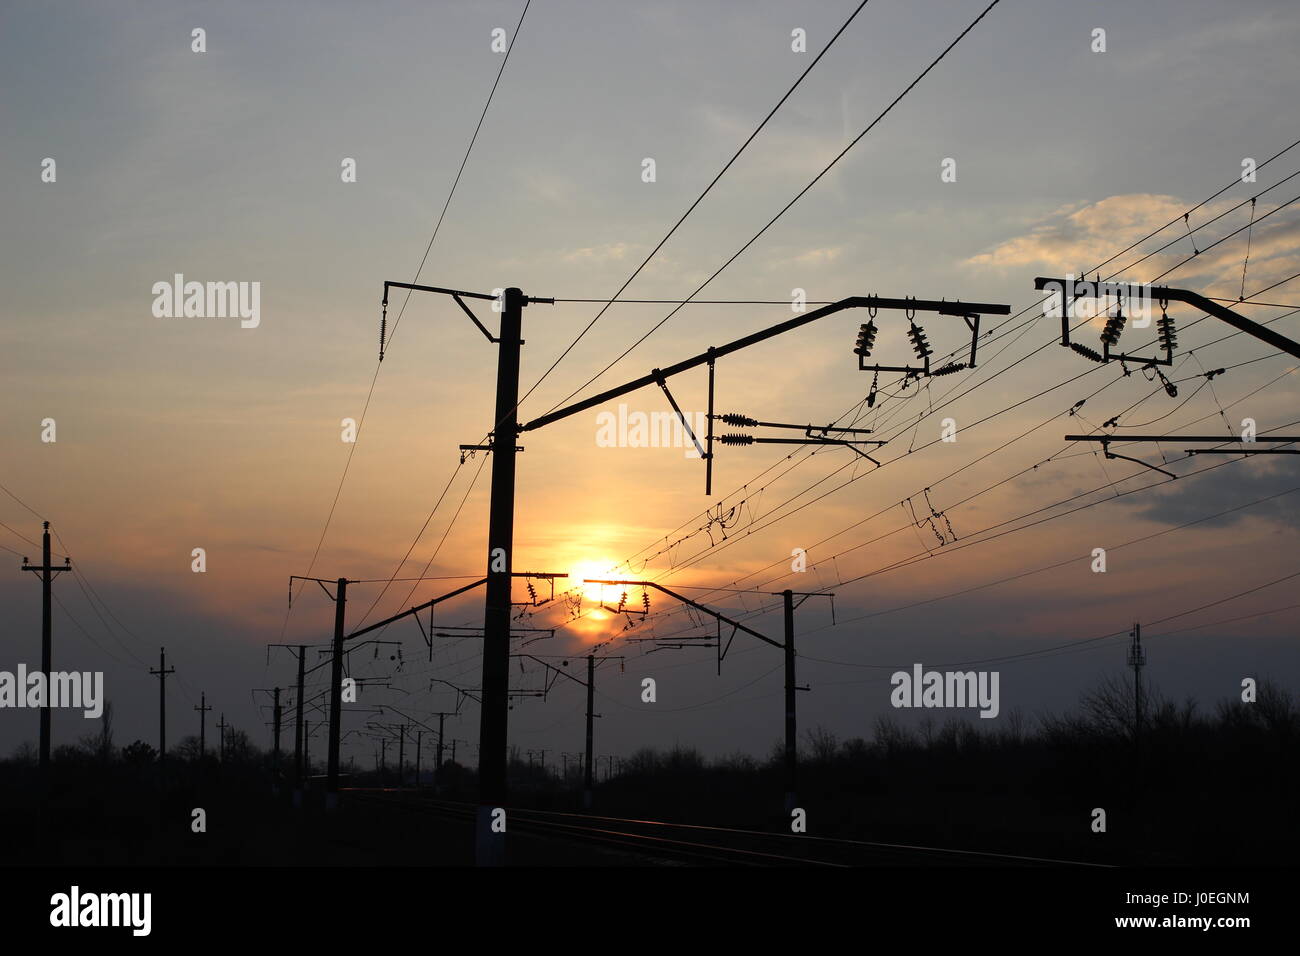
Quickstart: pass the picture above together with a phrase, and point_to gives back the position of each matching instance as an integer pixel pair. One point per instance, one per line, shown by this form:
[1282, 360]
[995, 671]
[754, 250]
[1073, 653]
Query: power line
[329, 518]
[749, 139]
[788, 205]
[1067, 644]
[1023, 327]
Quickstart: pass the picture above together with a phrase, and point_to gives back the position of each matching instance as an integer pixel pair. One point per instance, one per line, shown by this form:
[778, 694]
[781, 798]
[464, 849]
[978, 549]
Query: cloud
[607, 252]
[1226, 488]
[818, 257]
[1079, 236]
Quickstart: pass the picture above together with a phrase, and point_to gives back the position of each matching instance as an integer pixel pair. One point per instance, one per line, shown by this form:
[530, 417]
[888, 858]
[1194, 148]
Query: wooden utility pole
[46, 571]
[161, 673]
[203, 709]
[401, 753]
[221, 728]
[275, 734]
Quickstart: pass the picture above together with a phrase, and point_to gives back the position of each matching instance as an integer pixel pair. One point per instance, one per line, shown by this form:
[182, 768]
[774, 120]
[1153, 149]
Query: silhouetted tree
[825, 745]
[187, 748]
[239, 748]
[139, 754]
[99, 745]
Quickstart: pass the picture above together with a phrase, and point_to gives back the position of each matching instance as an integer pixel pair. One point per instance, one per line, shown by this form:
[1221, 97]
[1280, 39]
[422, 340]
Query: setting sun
[599, 569]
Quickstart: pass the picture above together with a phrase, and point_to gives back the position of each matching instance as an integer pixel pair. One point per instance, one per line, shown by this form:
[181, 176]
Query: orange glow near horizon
[594, 593]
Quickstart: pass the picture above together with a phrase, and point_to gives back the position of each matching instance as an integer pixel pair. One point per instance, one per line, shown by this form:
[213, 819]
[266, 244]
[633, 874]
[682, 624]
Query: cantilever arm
[694, 604]
[1196, 300]
[955, 307]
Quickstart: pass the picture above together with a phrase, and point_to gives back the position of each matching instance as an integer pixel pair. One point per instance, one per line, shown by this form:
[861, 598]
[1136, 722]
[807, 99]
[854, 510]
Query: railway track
[662, 841]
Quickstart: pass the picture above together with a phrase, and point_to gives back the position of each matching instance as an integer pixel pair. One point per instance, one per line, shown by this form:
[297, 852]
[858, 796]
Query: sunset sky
[183, 433]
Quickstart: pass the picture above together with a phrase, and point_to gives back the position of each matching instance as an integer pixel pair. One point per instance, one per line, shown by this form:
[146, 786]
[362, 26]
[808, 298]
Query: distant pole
[383, 757]
[791, 737]
[591, 712]
[437, 770]
[46, 572]
[419, 742]
[161, 673]
[564, 762]
[453, 749]
[1136, 659]
[203, 709]
[306, 747]
[401, 753]
[298, 724]
[275, 751]
[221, 727]
[336, 696]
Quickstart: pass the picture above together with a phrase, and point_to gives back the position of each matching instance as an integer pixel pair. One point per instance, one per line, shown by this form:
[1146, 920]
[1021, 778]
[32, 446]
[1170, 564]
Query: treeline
[1178, 785]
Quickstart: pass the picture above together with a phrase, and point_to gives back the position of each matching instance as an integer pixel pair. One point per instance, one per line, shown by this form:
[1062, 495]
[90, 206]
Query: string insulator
[950, 368]
[383, 332]
[1114, 328]
[919, 342]
[1168, 335]
[1087, 352]
[736, 439]
[866, 339]
[740, 421]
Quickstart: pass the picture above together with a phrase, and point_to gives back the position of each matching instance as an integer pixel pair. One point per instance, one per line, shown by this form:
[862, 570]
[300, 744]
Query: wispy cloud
[1078, 236]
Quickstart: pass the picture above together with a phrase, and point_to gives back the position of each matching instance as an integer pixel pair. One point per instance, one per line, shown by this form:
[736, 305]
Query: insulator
[383, 331]
[741, 421]
[1114, 327]
[950, 368]
[919, 341]
[1087, 352]
[1167, 333]
[866, 339]
[736, 439]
